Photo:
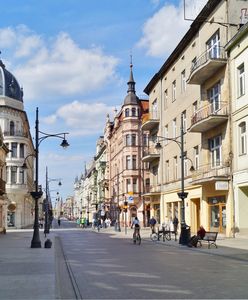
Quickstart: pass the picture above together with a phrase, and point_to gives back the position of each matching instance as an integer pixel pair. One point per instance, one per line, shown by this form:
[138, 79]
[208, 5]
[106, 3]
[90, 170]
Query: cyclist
[136, 226]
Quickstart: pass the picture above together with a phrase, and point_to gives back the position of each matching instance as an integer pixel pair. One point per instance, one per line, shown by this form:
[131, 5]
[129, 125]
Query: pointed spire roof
[131, 97]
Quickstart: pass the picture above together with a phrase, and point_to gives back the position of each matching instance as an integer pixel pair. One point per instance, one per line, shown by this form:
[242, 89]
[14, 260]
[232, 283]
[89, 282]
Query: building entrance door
[217, 214]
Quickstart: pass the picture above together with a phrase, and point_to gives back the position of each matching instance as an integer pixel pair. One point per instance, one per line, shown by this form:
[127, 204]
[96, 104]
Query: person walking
[153, 222]
[59, 222]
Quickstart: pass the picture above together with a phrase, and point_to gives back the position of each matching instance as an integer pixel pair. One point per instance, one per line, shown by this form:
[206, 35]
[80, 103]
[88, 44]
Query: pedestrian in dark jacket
[153, 222]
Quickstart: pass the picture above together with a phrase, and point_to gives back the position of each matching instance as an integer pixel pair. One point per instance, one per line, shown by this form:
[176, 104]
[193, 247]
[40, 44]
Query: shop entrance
[217, 213]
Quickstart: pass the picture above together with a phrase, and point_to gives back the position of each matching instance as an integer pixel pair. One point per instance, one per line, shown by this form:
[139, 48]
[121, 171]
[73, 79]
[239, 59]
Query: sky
[72, 59]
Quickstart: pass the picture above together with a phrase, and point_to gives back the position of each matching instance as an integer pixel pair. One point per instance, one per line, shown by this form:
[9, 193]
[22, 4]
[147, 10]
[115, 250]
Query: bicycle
[155, 236]
[136, 237]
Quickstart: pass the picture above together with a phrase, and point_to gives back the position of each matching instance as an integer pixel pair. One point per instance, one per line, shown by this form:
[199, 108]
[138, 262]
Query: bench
[210, 238]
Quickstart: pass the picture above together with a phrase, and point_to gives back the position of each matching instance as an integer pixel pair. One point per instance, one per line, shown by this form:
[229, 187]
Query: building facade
[189, 97]
[126, 171]
[237, 50]
[16, 135]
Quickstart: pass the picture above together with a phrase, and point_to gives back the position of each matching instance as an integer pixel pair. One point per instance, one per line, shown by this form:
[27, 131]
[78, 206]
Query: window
[174, 128]
[21, 150]
[166, 134]
[184, 121]
[128, 185]
[14, 149]
[167, 170]
[194, 64]
[214, 97]
[133, 112]
[215, 151]
[195, 107]
[135, 189]
[145, 140]
[197, 158]
[242, 138]
[128, 140]
[127, 112]
[134, 162]
[133, 139]
[165, 99]
[183, 81]
[12, 128]
[173, 90]
[241, 80]
[155, 174]
[21, 176]
[175, 168]
[154, 112]
[13, 174]
[128, 162]
[213, 46]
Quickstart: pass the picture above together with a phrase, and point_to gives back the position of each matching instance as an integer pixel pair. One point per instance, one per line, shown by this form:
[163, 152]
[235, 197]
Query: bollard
[48, 243]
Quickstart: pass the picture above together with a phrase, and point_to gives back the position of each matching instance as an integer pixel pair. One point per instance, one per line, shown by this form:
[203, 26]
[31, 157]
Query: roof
[9, 86]
[194, 28]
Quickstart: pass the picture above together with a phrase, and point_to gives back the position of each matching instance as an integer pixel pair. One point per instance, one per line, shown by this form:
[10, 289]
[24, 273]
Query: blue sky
[72, 59]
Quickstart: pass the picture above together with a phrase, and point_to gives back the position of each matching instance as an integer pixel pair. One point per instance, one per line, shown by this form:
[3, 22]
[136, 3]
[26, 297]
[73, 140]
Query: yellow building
[190, 94]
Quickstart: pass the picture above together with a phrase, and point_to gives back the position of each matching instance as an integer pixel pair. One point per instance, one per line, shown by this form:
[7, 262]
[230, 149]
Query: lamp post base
[184, 235]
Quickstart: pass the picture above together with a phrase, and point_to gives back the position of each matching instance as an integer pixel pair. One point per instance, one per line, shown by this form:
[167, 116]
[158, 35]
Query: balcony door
[213, 46]
[214, 98]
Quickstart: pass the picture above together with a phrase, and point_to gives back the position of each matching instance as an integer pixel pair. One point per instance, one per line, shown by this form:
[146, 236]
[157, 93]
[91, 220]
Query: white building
[238, 54]
[16, 134]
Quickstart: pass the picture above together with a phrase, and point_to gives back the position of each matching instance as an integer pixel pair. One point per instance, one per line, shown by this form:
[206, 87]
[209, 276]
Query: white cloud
[163, 31]
[81, 118]
[57, 66]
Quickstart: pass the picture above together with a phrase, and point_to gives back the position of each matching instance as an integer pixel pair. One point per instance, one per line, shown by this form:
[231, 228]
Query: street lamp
[48, 214]
[36, 243]
[185, 231]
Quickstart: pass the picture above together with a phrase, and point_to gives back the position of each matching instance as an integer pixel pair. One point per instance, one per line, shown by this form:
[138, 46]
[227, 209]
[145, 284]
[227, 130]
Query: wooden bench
[210, 238]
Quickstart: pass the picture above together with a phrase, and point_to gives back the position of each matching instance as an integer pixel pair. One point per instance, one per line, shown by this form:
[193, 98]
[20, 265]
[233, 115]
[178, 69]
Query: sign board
[221, 185]
[130, 199]
[130, 193]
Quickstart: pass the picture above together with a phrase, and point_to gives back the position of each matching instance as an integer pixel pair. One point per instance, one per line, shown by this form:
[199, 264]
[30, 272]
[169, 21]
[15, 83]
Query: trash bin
[184, 235]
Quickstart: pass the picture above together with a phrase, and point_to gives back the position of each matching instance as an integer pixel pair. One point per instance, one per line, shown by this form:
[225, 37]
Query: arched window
[12, 128]
[242, 138]
[127, 112]
[133, 112]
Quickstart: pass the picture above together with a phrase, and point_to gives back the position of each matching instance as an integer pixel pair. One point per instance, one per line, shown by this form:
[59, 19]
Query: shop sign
[221, 185]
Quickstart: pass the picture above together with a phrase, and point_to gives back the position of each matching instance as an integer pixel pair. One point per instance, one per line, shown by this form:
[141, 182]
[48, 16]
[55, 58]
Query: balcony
[209, 116]
[208, 173]
[207, 65]
[150, 120]
[150, 155]
[19, 133]
[152, 190]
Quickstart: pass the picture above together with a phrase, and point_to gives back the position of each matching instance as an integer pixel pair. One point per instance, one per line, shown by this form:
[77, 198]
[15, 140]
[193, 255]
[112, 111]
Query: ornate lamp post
[184, 235]
[36, 243]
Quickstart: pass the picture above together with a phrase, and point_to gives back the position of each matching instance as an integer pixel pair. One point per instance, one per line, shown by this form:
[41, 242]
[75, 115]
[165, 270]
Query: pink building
[127, 174]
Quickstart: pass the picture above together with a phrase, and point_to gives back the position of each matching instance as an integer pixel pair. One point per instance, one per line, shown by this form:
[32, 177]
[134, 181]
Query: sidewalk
[26, 273]
[226, 246]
